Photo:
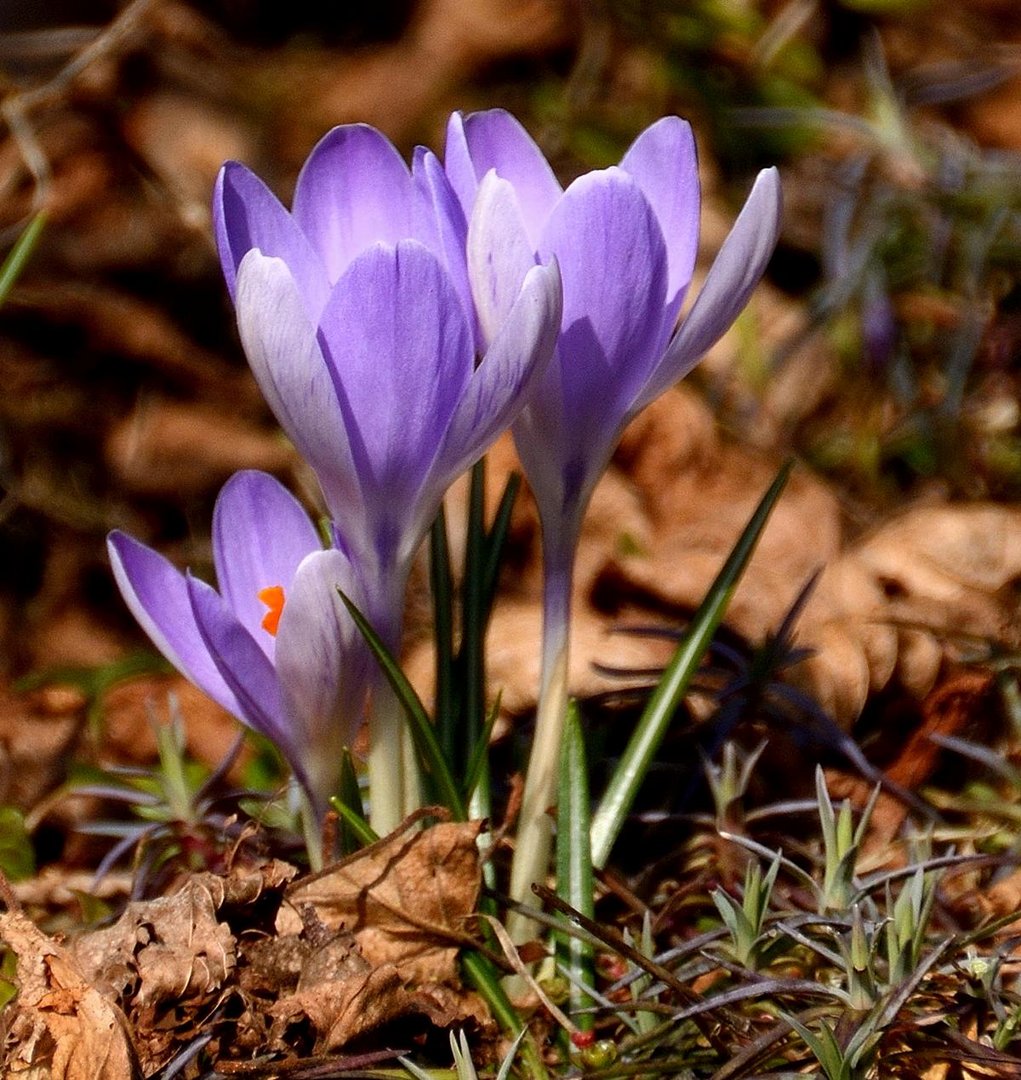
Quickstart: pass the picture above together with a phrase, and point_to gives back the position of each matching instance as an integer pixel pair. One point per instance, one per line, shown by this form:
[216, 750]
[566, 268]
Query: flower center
[273, 598]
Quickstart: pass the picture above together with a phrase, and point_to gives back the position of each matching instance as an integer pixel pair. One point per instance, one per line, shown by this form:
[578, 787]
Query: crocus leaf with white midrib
[626, 239]
[355, 314]
[274, 644]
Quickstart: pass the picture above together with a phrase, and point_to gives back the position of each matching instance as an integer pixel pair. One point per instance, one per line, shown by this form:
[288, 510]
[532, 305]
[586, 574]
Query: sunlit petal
[261, 534]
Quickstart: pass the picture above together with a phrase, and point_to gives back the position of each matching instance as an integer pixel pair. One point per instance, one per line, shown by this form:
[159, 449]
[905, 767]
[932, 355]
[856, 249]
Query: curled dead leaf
[61, 1026]
[172, 948]
[406, 899]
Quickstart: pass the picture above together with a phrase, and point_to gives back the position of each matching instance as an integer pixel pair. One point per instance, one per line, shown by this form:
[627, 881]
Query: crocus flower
[274, 646]
[356, 317]
[626, 240]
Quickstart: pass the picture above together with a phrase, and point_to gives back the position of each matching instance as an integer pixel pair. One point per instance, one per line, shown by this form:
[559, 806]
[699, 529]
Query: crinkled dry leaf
[341, 1010]
[171, 949]
[60, 1027]
[406, 899]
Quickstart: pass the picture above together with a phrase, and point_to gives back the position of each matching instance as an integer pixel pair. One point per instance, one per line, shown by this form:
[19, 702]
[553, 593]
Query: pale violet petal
[441, 226]
[615, 323]
[663, 162]
[457, 164]
[322, 662]
[514, 364]
[157, 595]
[245, 669]
[500, 254]
[497, 140]
[261, 534]
[353, 190]
[401, 353]
[247, 215]
[289, 366]
[736, 271]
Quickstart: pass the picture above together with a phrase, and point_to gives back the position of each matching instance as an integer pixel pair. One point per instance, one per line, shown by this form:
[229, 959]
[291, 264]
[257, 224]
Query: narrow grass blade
[442, 588]
[473, 619]
[630, 773]
[422, 730]
[351, 837]
[574, 863]
[359, 828]
[19, 255]
[477, 770]
[484, 977]
[497, 538]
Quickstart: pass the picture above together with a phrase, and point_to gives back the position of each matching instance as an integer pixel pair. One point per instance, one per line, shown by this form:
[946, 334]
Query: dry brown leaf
[343, 1009]
[61, 1026]
[513, 654]
[945, 563]
[171, 949]
[667, 514]
[406, 899]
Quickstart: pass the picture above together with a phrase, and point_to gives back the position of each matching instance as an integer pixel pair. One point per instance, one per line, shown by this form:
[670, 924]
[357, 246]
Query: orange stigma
[273, 598]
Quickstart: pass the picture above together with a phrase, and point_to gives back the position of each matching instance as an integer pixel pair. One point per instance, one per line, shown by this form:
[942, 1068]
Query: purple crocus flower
[626, 239]
[274, 646]
[355, 313]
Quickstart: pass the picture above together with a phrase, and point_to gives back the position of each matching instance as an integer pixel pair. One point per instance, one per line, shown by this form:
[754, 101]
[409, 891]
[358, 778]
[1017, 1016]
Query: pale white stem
[411, 780]
[394, 780]
[535, 829]
[386, 761]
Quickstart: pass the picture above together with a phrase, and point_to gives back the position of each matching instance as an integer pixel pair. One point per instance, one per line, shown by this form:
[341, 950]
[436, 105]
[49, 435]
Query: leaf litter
[259, 960]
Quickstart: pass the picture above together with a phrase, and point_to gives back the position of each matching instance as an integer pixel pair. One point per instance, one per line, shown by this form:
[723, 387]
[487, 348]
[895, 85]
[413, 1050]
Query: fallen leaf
[60, 1026]
[406, 899]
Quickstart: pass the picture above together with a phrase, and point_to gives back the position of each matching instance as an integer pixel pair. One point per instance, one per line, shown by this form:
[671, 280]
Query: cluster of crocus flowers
[398, 320]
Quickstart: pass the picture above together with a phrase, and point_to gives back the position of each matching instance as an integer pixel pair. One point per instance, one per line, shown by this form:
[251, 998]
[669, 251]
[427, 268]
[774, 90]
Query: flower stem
[387, 761]
[535, 829]
[394, 778]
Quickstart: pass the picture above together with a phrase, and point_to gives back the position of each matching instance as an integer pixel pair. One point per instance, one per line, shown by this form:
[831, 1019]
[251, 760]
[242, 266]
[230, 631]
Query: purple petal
[562, 469]
[614, 266]
[516, 360]
[500, 254]
[321, 661]
[295, 379]
[401, 353]
[735, 273]
[457, 164]
[157, 595]
[663, 162]
[245, 668]
[247, 215]
[496, 140]
[261, 533]
[439, 216]
[353, 190]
